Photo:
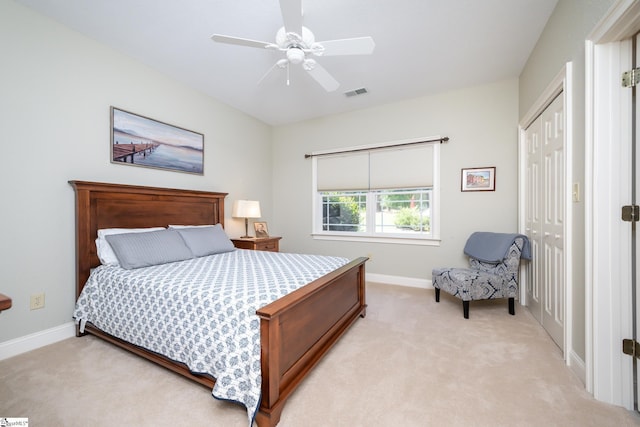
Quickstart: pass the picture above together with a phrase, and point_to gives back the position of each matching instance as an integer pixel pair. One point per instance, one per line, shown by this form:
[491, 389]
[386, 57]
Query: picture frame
[478, 179]
[261, 229]
[141, 141]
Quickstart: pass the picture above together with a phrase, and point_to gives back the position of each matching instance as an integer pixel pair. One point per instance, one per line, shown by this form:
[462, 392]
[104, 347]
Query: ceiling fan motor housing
[292, 40]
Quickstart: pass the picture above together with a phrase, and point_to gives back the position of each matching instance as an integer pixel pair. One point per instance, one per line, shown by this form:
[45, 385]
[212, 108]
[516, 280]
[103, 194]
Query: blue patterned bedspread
[202, 311]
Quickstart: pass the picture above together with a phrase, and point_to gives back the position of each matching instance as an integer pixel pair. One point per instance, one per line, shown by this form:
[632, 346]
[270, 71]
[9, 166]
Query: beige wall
[562, 41]
[481, 123]
[56, 87]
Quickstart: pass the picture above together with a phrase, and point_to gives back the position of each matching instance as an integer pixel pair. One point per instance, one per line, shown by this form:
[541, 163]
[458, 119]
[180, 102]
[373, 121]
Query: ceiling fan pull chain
[287, 74]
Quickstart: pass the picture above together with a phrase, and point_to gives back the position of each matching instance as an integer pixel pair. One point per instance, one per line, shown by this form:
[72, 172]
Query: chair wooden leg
[512, 306]
[437, 295]
[465, 309]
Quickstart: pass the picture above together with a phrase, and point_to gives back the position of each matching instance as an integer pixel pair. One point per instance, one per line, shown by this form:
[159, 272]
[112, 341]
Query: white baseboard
[399, 280]
[30, 342]
[578, 366]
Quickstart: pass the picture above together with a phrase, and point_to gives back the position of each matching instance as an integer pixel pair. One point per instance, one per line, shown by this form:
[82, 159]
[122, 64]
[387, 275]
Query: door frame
[561, 85]
[608, 317]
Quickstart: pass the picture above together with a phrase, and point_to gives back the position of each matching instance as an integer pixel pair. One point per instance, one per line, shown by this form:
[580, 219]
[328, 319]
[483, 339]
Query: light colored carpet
[410, 362]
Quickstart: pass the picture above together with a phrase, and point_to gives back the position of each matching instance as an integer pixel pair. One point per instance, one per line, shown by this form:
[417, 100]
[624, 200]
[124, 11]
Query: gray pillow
[205, 241]
[135, 250]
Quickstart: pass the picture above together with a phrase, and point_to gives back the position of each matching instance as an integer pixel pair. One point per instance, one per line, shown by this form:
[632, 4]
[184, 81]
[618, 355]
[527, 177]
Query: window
[397, 211]
[375, 193]
[344, 211]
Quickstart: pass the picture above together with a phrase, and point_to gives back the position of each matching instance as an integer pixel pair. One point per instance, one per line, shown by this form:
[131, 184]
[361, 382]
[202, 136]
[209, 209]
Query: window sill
[419, 241]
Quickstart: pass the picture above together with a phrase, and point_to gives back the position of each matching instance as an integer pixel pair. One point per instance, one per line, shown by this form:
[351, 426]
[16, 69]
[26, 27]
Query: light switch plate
[576, 192]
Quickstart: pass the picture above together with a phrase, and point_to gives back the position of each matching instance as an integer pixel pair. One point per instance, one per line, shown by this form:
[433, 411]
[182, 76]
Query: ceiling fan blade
[267, 73]
[355, 46]
[283, 63]
[292, 15]
[322, 76]
[239, 41]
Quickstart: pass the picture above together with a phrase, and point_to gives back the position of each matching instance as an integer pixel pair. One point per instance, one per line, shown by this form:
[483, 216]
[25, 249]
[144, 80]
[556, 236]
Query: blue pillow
[203, 241]
[135, 250]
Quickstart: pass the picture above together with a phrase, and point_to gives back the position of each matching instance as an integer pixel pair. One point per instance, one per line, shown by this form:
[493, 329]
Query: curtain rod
[440, 140]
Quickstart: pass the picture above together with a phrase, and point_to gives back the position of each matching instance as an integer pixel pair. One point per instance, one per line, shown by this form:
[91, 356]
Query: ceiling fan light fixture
[295, 55]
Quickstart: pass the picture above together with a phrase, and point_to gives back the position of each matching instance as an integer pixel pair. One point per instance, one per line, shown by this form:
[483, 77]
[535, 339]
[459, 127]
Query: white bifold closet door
[545, 204]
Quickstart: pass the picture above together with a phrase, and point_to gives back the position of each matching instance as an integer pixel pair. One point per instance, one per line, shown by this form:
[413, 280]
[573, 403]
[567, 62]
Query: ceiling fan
[299, 45]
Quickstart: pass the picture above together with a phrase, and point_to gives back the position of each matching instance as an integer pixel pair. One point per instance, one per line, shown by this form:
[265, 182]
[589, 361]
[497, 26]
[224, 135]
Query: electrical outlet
[370, 256]
[37, 301]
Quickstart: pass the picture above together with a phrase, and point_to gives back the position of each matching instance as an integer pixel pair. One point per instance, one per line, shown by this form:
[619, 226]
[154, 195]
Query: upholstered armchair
[494, 260]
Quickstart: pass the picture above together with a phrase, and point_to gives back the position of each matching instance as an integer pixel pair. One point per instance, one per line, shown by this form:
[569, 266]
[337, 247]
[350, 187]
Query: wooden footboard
[298, 329]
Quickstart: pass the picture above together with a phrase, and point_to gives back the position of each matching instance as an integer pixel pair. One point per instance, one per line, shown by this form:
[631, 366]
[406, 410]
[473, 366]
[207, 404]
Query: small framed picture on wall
[261, 229]
[479, 179]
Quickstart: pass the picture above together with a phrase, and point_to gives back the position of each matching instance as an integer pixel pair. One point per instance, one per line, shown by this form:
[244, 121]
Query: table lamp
[246, 209]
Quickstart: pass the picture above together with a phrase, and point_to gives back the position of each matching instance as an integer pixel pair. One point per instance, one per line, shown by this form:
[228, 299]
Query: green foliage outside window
[410, 218]
[394, 201]
[343, 213]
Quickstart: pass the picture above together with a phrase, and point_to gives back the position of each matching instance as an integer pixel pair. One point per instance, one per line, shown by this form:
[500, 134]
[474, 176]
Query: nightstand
[258, 244]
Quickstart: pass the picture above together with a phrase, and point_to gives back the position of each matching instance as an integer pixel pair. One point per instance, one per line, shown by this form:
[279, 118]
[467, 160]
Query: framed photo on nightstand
[261, 229]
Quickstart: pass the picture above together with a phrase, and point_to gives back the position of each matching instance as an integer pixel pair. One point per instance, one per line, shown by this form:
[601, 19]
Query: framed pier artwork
[140, 141]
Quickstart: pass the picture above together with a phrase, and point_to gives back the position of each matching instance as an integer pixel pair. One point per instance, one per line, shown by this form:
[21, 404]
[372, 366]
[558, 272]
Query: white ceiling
[422, 46]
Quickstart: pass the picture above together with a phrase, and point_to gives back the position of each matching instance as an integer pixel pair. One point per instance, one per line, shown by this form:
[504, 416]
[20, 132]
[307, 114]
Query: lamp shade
[246, 209]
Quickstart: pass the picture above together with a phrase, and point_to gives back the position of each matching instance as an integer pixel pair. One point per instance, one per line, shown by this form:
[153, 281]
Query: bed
[296, 330]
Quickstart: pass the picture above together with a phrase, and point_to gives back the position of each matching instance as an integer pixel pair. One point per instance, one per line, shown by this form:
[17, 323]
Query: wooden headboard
[100, 205]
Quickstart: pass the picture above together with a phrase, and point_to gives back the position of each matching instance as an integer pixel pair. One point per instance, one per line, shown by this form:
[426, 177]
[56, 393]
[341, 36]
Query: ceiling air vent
[355, 92]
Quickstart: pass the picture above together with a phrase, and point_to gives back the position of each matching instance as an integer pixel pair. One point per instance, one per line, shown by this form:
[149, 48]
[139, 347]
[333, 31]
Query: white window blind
[394, 167]
[343, 172]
